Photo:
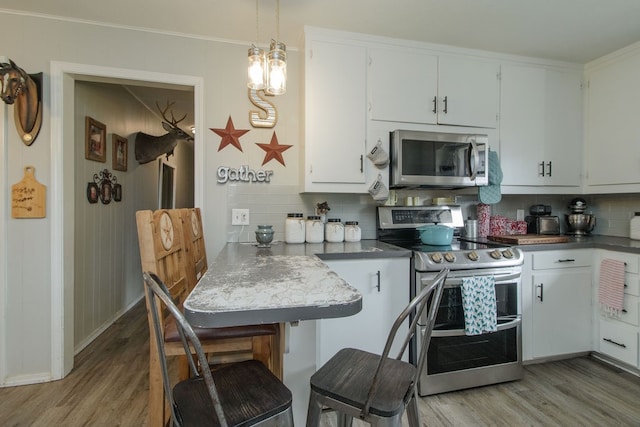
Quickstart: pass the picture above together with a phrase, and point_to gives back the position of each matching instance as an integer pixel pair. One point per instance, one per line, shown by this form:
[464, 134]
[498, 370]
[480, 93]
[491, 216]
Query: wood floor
[108, 387]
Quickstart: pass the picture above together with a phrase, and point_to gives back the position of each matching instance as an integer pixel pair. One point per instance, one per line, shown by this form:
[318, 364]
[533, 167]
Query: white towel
[611, 286]
[479, 302]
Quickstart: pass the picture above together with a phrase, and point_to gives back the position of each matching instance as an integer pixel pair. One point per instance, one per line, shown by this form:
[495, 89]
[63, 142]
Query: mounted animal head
[13, 79]
[149, 147]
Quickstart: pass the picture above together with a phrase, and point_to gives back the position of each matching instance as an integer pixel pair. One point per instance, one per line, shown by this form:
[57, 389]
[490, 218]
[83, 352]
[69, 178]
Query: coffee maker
[579, 223]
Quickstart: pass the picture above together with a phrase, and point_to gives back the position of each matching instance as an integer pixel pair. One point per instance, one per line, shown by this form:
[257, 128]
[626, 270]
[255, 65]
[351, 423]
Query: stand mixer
[579, 223]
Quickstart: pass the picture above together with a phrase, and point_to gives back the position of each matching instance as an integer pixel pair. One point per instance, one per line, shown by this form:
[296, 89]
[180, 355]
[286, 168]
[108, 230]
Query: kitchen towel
[611, 286]
[479, 303]
[490, 194]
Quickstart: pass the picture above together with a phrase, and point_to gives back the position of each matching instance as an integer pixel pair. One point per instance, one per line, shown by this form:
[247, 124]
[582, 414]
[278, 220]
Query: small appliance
[579, 223]
[540, 221]
[438, 159]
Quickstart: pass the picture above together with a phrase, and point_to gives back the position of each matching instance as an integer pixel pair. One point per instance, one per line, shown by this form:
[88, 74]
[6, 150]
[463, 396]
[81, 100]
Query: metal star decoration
[230, 135]
[274, 150]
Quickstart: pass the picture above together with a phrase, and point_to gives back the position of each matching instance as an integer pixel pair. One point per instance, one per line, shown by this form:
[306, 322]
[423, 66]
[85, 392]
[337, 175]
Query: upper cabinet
[413, 85]
[540, 128]
[335, 116]
[613, 125]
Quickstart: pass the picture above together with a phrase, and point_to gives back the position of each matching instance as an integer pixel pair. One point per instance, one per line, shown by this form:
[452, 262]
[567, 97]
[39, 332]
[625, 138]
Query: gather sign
[243, 174]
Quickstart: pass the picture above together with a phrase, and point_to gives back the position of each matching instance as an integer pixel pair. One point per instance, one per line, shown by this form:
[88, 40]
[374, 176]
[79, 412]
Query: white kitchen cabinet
[558, 308]
[541, 127]
[613, 128]
[334, 116]
[414, 85]
[384, 284]
[617, 335]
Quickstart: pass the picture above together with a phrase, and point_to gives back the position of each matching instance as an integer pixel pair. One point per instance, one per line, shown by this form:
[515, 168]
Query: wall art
[120, 153]
[104, 187]
[95, 140]
[274, 150]
[267, 116]
[25, 91]
[230, 135]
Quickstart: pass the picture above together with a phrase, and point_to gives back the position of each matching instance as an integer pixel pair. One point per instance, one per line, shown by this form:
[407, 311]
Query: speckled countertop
[250, 285]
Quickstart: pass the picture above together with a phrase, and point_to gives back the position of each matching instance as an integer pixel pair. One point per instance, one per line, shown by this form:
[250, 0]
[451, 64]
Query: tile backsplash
[269, 204]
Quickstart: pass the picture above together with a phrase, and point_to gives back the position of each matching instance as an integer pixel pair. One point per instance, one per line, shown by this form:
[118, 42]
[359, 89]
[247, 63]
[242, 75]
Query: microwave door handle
[474, 159]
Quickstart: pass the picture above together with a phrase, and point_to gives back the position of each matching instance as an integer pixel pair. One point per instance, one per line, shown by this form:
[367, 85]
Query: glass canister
[334, 230]
[352, 232]
[294, 228]
[314, 229]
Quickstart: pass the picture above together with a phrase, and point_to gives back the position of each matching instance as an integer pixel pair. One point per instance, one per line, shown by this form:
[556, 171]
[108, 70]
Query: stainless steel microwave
[437, 159]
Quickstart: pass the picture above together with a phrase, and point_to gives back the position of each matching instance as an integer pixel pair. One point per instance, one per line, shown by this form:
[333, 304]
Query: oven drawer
[619, 341]
[562, 259]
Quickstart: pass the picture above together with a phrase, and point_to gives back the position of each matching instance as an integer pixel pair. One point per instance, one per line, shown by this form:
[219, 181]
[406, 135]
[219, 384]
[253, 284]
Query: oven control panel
[472, 259]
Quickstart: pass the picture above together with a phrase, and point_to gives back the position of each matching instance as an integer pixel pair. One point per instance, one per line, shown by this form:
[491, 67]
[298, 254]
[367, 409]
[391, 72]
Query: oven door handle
[514, 321]
[457, 281]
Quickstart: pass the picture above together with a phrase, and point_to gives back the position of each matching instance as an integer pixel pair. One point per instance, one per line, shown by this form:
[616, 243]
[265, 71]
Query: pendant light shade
[277, 68]
[257, 69]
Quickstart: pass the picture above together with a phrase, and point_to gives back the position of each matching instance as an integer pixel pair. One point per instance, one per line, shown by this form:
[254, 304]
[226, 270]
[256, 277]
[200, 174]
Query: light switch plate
[239, 216]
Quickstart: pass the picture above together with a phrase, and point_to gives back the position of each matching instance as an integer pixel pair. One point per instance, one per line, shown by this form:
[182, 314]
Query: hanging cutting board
[529, 239]
[28, 197]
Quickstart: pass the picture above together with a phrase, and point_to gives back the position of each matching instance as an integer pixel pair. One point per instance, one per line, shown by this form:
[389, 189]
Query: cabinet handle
[361, 163]
[567, 260]
[613, 342]
[435, 105]
[445, 105]
[549, 173]
[378, 286]
[541, 168]
[541, 293]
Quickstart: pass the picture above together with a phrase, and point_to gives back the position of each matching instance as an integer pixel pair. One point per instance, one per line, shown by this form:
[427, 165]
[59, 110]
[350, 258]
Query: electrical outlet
[239, 216]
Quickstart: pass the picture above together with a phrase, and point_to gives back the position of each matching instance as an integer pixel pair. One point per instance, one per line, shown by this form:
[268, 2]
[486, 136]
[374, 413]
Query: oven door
[456, 360]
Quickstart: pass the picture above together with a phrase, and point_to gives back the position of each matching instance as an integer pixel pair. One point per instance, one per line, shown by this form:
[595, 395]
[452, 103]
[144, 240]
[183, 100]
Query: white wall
[35, 42]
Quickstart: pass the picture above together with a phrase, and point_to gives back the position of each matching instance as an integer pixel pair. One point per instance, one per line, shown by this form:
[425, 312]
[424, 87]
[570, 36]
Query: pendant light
[257, 69]
[277, 61]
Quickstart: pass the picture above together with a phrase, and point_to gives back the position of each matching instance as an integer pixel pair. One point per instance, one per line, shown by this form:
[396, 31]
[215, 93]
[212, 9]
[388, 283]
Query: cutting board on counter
[529, 239]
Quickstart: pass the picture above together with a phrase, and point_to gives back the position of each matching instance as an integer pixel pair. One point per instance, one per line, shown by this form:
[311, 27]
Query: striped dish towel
[611, 286]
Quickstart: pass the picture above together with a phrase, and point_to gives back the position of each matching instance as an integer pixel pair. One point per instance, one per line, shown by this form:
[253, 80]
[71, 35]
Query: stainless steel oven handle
[460, 332]
[457, 281]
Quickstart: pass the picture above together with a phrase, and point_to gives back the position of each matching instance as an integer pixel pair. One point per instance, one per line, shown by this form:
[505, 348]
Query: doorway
[63, 183]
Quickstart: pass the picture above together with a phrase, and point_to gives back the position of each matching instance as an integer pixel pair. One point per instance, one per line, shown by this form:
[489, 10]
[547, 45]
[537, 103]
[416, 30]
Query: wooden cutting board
[529, 239]
[28, 197]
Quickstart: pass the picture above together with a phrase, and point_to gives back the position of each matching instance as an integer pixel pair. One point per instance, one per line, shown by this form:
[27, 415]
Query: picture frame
[95, 140]
[106, 192]
[93, 192]
[120, 153]
[117, 192]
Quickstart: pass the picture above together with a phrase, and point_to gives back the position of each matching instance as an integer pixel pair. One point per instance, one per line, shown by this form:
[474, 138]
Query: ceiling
[567, 30]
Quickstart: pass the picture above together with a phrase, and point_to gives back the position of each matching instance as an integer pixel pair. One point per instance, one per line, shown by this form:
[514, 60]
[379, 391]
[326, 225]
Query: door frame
[63, 77]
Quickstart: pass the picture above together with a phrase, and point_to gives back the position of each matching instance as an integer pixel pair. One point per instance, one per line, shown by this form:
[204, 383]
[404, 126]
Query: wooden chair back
[193, 237]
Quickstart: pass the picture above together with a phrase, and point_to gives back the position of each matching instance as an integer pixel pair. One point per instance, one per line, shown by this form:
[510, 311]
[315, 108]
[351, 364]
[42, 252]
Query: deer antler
[173, 122]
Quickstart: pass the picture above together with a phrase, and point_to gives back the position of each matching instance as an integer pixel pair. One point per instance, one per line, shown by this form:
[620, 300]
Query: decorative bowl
[264, 235]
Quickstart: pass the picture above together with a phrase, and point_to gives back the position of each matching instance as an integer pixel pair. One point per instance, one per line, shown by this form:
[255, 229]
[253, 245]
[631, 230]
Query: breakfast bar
[249, 285]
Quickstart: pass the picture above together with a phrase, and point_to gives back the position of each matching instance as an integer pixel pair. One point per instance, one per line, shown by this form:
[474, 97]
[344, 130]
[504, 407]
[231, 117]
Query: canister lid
[294, 215]
[333, 220]
[314, 217]
[351, 223]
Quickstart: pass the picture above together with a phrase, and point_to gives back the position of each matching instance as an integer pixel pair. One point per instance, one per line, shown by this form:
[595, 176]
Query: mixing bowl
[436, 235]
[580, 223]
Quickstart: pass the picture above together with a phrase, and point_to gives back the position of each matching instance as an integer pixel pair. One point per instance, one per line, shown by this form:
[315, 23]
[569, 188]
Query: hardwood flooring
[109, 384]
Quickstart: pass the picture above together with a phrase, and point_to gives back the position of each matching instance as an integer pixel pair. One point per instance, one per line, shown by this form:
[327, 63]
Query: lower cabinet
[384, 284]
[558, 308]
[617, 335]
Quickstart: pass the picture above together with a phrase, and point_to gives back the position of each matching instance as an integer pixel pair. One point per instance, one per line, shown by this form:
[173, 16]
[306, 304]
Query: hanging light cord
[257, 25]
[277, 20]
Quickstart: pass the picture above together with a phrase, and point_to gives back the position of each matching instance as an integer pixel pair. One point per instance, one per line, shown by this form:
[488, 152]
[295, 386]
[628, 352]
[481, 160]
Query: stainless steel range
[456, 360]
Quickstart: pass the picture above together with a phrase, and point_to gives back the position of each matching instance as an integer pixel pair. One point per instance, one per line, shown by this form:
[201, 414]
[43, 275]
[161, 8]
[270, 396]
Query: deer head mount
[149, 147]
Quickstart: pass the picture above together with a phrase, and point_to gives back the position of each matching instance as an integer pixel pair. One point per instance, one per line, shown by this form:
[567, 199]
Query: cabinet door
[561, 312]
[613, 128]
[368, 329]
[403, 85]
[471, 89]
[563, 128]
[335, 113]
[522, 116]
